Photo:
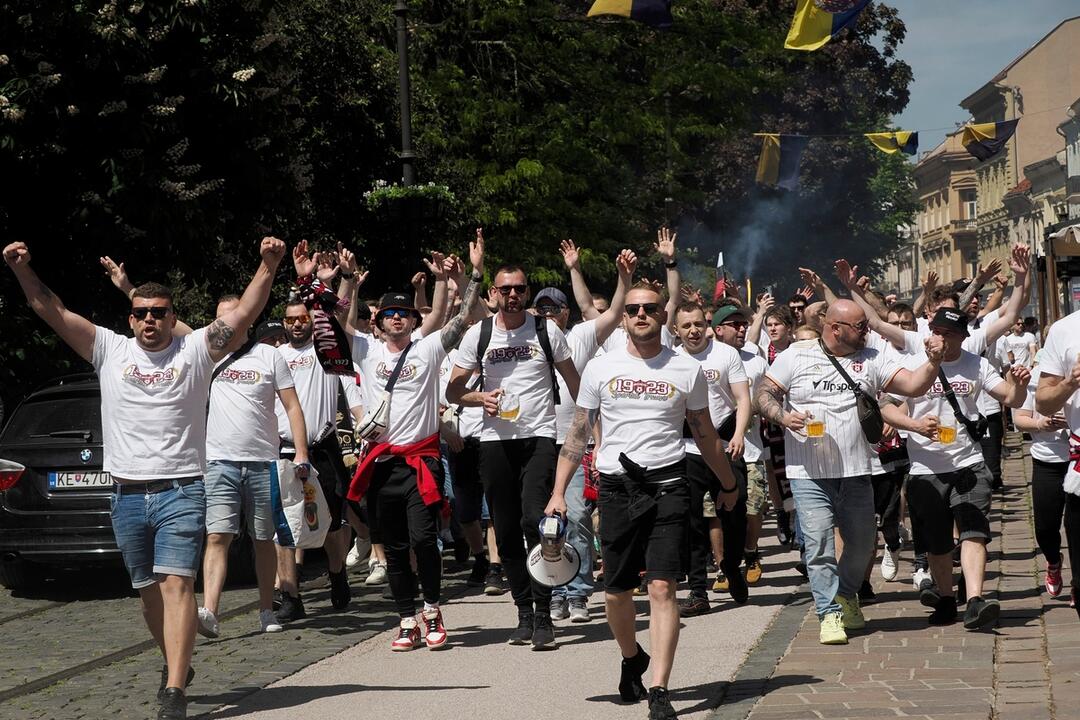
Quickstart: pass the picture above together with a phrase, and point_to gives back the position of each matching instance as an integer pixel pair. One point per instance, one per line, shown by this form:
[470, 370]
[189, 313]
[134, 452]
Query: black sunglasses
[394, 312]
[861, 327]
[736, 324]
[634, 308]
[158, 312]
[505, 289]
[548, 309]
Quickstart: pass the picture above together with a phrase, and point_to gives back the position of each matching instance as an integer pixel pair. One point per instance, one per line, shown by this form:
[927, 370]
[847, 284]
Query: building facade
[945, 226]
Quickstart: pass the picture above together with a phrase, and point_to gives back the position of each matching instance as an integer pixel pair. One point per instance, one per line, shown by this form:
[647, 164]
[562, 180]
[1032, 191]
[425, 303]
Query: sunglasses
[158, 312]
[394, 312]
[860, 328]
[547, 310]
[299, 319]
[736, 324]
[505, 289]
[635, 308]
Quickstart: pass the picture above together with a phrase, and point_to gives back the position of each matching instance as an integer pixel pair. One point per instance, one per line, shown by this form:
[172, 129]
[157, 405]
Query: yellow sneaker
[721, 584]
[753, 572]
[852, 614]
[832, 630]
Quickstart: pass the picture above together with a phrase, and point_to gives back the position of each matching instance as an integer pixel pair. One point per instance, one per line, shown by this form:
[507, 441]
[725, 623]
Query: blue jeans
[848, 504]
[579, 513]
[161, 533]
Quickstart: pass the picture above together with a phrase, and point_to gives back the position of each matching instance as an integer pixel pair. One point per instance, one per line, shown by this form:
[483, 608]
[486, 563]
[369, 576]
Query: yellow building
[946, 222]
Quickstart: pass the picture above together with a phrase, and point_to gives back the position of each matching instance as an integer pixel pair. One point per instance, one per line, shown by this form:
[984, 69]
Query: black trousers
[1050, 502]
[518, 477]
[887, 505]
[991, 445]
[403, 520]
[732, 522]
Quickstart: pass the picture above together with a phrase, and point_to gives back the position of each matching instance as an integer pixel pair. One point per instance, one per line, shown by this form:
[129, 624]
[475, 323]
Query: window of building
[969, 206]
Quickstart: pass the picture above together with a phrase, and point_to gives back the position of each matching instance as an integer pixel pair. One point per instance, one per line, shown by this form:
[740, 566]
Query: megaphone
[553, 562]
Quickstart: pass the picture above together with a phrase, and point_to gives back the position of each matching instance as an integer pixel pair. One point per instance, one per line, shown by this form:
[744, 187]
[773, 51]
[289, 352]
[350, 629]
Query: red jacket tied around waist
[414, 455]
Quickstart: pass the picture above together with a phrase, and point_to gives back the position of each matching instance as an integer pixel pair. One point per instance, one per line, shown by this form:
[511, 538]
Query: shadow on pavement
[73, 585]
[709, 696]
[276, 698]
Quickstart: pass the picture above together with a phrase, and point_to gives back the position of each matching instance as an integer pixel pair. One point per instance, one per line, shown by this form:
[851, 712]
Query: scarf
[332, 346]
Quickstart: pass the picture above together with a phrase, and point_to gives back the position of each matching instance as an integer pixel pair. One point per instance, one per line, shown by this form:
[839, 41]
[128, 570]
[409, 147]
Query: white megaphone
[553, 562]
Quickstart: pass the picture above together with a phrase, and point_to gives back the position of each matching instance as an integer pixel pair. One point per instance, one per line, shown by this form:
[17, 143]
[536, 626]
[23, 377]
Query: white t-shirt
[470, 420]
[722, 367]
[515, 362]
[1058, 357]
[583, 346]
[316, 389]
[153, 405]
[242, 424]
[414, 402]
[1051, 447]
[913, 344]
[642, 405]
[814, 385]
[1020, 347]
[754, 366]
[969, 375]
[618, 340]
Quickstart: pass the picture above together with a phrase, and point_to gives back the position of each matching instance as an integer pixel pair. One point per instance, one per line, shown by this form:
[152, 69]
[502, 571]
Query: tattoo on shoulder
[219, 335]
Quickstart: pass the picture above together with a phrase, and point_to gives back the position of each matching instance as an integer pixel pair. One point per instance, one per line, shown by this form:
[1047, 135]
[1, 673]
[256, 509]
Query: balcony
[963, 226]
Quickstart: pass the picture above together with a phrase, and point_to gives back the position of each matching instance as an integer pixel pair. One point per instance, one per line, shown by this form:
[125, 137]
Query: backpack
[541, 335]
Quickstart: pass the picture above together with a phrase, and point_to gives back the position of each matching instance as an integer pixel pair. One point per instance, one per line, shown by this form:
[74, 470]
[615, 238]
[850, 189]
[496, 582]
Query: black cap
[363, 312]
[270, 328]
[951, 319]
[397, 300]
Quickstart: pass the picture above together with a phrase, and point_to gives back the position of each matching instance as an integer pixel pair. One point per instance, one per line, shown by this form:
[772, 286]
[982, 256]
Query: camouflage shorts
[757, 488]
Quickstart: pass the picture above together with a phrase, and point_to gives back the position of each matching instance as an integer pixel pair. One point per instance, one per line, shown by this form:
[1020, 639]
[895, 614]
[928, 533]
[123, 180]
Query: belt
[154, 486]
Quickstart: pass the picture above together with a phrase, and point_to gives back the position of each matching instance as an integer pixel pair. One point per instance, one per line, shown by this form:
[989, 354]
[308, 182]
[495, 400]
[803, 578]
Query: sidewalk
[1027, 667]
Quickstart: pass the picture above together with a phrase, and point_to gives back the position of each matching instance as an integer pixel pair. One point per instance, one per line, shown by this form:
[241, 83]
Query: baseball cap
[397, 300]
[554, 295]
[270, 328]
[951, 319]
[724, 312]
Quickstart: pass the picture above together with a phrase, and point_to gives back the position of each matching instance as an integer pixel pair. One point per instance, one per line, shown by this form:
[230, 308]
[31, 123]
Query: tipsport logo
[384, 371]
[628, 388]
[304, 362]
[156, 378]
[519, 353]
[239, 377]
[833, 387]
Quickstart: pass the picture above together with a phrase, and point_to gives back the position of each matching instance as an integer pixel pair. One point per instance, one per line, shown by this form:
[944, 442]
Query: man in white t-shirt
[949, 484]
[518, 362]
[642, 395]
[827, 454]
[241, 449]
[402, 474]
[1020, 345]
[729, 408]
[153, 409]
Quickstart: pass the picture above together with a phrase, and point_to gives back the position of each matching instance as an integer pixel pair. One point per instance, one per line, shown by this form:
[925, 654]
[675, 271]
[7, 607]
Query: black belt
[154, 486]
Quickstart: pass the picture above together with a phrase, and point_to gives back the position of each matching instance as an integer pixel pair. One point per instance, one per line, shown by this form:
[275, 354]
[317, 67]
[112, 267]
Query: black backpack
[541, 335]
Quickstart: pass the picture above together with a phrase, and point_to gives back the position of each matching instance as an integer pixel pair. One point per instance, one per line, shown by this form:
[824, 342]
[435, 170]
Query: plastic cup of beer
[509, 406]
[815, 424]
[946, 431]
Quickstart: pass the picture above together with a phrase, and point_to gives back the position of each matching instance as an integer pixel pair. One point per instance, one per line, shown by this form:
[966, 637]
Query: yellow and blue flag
[655, 13]
[986, 140]
[903, 141]
[780, 159]
[818, 21]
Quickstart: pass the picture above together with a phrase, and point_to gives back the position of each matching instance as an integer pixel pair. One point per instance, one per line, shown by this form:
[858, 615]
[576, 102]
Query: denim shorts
[233, 488]
[160, 533]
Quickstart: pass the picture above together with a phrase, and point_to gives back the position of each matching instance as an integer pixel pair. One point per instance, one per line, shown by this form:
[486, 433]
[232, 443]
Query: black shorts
[468, 489]
[936, 501]
[655, 543]
[333, 476]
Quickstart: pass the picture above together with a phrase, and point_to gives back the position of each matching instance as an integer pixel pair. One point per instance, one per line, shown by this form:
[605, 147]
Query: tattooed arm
[220, 332]
[770, 402]
[73, 329]
[712, 452]
[573, 449]
[455, 329]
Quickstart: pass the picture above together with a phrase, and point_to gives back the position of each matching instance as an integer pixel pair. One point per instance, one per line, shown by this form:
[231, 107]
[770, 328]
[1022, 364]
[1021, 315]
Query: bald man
[827, 455]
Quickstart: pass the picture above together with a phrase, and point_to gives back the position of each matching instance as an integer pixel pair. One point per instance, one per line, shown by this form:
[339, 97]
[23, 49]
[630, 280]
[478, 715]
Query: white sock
[430, 606]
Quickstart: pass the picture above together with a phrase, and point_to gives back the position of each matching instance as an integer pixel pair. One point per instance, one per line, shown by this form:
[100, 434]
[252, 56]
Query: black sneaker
[495, 583]
[524, 631]
[930, 597]
[543, 635]
[292, 608]
[737, 586]
[693, 605]
[165, 679]
[981, 612]
[659, 705]
[173, 705]
[631, 689]
[340, 592]
[478, 574]
[783, 523]
[461, 550]
[800, 567]
[944, 613]
[276, 603]
[867, 594]
[961, 590]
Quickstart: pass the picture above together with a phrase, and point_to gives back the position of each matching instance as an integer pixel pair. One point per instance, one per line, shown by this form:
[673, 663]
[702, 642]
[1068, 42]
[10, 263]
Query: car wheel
[16, 574]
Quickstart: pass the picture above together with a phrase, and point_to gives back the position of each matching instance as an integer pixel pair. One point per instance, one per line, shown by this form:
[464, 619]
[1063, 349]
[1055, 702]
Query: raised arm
[984, 276]
[437, 317]
[665, 246]
[913, 383]
[73, 329]
[455, 329]
[753, 333]
[625, 263]
[582, 296]
[993, 302]
[813, 280]
[929, 284]
[1020, 264]
[119, 277]
[847, 276]
[220, 332]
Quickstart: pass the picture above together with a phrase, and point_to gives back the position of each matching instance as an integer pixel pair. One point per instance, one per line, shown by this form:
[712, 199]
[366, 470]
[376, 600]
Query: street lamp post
[408, 171]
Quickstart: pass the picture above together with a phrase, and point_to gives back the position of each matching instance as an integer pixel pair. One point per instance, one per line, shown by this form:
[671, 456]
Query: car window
[52, 415]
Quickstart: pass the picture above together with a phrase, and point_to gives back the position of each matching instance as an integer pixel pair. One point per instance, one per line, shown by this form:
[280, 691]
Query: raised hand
[419, 281]
[806, 292]
[809, 277]
[116, 274]
[346, 259]
[665, 244]
[987, 272]
[691, 293]
[935, 349]
[1020, 260]
[17, 255]
[455, 273]
[626, 263]
[303, 263]
[476, 251]
[765, 302]
[570, 255]
[930, 282]
[1001, 280]
[435, 265]
[847, 274]
[863, 282]
[272, 251]
[329, 265]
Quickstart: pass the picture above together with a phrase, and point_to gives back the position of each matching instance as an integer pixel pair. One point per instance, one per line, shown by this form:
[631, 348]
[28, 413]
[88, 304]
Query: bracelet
[672, 264]
[729, 490]
[347, 275]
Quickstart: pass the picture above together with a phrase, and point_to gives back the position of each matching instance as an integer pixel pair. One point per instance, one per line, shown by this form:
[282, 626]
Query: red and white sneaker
[434, 631]
[408, 636]
[1052, 580]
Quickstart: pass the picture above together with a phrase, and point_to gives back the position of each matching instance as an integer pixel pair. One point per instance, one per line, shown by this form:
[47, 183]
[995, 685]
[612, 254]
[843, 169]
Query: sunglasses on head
[158, 312]
[635, 308]
[394, 312]
[301, 319]
[505, 289]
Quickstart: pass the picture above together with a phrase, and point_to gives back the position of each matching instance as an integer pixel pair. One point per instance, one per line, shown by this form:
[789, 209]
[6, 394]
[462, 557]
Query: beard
[302, 339]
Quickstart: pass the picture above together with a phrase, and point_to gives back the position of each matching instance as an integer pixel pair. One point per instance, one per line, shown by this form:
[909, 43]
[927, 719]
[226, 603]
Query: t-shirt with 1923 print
[642, 404]
[814, 385]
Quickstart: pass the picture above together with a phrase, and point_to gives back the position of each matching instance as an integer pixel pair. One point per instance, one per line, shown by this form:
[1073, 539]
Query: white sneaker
[360, 551]
[888, 564]
[921, 577]
[269, 622]
[208, 624]
[376, 574]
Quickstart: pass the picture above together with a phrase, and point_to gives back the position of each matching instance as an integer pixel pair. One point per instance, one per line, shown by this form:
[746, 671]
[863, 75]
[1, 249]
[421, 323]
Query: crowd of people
[659, 430]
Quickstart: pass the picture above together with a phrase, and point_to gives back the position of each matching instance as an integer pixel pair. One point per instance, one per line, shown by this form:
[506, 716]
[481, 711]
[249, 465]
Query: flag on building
[818, 21]
[903, 141]
[780, 159]
[655, 13]
[985, 140]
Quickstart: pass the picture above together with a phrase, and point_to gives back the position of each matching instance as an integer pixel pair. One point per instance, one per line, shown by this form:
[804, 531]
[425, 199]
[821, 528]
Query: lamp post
[408, 171]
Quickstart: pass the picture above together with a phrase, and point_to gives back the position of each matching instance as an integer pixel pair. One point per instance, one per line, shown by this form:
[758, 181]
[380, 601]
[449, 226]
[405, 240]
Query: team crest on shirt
[384, 371]
[712, 376]
[303, 362]
[857, 366]
[641, 389]
[517, 353]
[239, 377]
[156, 378]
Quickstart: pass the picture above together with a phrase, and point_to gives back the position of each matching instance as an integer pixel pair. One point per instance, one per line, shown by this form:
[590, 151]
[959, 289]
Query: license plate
[80, 480]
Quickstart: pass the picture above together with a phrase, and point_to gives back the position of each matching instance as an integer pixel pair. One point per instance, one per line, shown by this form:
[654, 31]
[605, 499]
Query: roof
[1023, 187]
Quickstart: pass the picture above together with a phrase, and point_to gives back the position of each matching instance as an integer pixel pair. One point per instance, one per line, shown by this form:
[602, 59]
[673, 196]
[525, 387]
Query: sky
[954, 47]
